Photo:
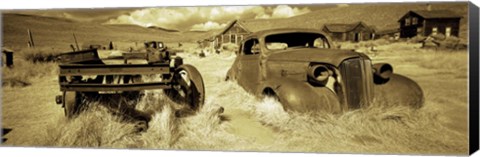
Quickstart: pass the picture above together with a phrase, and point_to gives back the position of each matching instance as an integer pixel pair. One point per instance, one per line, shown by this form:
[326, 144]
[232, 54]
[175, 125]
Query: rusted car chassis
[120, 81]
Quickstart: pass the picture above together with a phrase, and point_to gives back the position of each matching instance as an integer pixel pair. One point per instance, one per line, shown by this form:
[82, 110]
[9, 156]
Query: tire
[188, 87]
[71, 103]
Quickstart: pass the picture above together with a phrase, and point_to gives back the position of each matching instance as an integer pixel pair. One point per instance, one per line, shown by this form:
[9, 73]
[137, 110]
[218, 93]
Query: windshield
[296, 40]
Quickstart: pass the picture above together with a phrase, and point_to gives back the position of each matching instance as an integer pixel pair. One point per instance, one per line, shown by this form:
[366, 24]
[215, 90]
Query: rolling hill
[382, 16]
[57, 33]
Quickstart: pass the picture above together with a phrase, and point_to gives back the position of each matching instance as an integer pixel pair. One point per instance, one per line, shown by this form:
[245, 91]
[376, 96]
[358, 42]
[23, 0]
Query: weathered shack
[233, 33]
[358, 31]
[429, 22]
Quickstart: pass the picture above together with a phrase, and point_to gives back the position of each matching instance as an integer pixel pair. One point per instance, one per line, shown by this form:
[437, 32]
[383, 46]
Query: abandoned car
[306, 73]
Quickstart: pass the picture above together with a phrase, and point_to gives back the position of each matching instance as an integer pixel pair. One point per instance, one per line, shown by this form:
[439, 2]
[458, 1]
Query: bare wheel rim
[71, 102]
[189, 88]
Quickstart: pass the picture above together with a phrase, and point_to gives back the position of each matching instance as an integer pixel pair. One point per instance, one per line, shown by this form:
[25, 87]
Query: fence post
[30, 43]
[76, 43]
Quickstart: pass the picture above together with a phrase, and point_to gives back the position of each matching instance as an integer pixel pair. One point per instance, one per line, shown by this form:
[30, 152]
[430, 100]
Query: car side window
[321, 43]
[251, 47]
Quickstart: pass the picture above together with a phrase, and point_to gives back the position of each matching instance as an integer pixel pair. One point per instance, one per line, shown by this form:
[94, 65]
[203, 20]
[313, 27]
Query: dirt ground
[440, 127]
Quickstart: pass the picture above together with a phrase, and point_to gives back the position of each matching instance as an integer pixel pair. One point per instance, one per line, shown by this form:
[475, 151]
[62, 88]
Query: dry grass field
[249, 124]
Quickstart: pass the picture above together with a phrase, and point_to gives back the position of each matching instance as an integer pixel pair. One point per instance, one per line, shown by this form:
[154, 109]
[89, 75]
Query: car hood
[331, 56]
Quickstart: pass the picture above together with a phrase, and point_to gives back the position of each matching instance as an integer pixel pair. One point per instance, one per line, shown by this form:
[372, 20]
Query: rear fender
[399, 90]
[300, 96]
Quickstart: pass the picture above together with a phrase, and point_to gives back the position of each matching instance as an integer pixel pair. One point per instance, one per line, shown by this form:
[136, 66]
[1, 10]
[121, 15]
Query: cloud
[206, 18]
[210, 25]
[167, 18]
[285, 11]
[185, 17]
[282, 11]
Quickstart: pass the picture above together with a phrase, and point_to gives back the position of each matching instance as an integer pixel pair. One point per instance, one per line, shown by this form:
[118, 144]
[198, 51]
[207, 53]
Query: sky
[179, 18]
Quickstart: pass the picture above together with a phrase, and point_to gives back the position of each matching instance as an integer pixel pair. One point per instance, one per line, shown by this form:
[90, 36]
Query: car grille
[358, 82]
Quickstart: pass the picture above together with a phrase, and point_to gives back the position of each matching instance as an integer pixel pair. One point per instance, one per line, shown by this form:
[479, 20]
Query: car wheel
[188, 87]
[71, 103]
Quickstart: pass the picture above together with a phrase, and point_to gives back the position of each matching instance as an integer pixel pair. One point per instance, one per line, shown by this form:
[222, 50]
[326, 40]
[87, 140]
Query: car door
[249, 65]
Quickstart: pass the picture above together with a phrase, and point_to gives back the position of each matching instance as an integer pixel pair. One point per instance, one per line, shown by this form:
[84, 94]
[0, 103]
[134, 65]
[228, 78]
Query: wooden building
[429, 22]
[233, 33]
[358, 31]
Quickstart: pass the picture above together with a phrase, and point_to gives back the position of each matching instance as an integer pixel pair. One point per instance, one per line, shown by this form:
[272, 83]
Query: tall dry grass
[30, 64]
[38, 55]
[454, 60]
[376, 129]
[24, 73]
[97, 127]
[379, 128]
[406, 53]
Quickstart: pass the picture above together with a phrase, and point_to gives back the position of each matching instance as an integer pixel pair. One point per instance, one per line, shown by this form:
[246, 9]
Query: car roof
[264, 33]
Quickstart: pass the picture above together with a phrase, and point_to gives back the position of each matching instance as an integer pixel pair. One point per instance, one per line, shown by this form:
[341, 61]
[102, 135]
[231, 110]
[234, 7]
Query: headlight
[319, 73]
[382, 73]
[383, 70]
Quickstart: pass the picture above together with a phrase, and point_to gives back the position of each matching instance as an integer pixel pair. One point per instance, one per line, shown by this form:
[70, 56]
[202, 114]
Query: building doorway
[357, 37]
[448, 31]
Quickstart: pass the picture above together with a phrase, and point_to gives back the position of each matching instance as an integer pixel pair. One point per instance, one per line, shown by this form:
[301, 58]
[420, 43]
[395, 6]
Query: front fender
[302, 97]
[399, 90]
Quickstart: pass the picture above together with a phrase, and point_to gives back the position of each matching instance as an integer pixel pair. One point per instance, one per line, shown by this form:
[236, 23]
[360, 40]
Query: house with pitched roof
[429, 22]
[233, 33]
[358, 31]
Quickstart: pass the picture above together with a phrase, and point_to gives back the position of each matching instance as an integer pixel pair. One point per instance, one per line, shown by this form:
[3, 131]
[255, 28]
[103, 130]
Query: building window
[434, 30]
[407, 21]
[233, 38]
[414, 20]
[448, 31]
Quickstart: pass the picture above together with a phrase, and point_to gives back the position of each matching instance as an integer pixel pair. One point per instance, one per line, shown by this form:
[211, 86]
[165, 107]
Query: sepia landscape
[232, 119]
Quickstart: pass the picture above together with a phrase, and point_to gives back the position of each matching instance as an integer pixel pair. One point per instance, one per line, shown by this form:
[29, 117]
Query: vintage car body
[308, 74]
